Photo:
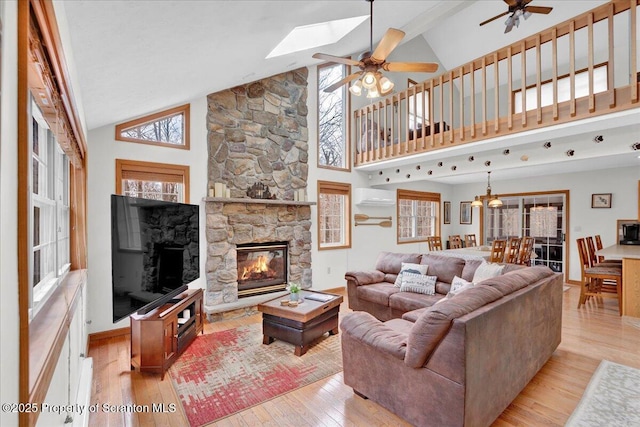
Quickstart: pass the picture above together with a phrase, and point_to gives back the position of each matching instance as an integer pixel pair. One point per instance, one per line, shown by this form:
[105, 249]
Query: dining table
[630, 256]
[475, 252]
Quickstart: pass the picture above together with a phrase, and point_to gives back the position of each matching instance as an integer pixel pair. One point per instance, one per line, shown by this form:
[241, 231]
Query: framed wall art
[602, 200]
[465, 213]
[446, 212]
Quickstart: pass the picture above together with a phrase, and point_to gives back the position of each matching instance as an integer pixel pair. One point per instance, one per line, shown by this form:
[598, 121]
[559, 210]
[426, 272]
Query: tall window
[148, 180]
[564, 89]
[417, 215]
[168, 128]
[333, 118]
[49, 222]
[334, 211]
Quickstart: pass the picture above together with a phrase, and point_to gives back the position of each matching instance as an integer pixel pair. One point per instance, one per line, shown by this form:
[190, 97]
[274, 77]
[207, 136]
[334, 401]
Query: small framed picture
[446, 212]
[601, 200]
[465, 213]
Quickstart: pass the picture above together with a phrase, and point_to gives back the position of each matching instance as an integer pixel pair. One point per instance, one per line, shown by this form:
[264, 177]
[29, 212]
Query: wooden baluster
[633, 30]
[441, 111]
[509, 89]
[572, 67]
[451, 126]
[592, 99]
[369, 146]
[484, 95]
[496, 85]
[431, 105]
[610, 65]
[538, 80]
[462, 103]
[402, 144]
[360, 138]
[423, 125]
[407, 148]
[554, 71]
[395, 105]
[523, 84]
[473, 100]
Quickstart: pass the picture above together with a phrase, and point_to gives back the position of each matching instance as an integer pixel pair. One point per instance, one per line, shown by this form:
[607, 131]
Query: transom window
[417, 215]
[168, 128]
[158, 181]
[334, 211]
[49, 221]
[333, 118]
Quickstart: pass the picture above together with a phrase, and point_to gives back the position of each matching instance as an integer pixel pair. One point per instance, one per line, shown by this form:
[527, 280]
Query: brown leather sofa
[373, 291]
[460, 362]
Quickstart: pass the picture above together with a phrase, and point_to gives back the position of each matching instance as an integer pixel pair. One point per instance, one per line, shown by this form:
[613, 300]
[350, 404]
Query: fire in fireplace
[262, 268]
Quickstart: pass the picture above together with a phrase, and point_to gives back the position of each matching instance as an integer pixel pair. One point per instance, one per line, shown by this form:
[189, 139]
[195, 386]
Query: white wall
[101, 181]
[9, 333]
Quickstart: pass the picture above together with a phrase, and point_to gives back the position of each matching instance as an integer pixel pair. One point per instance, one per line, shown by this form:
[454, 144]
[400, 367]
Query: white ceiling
[136, 57]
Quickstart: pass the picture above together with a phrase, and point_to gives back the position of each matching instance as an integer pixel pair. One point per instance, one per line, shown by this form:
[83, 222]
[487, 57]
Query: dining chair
[591, 278]
[497, 250]
[455, 242]
[435, 243]
[512, 251]
[600, 257]
[524, 254]
[594, 261]
[470, 240]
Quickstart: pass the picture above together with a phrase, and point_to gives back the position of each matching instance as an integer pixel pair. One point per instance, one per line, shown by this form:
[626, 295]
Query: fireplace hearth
[262, 268]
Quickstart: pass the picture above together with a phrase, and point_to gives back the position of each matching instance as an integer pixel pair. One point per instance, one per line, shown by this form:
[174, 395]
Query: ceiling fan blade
[338, 59]
[494, 18]
[511, 3]
[539, 9]
[339, 83]
[509, 26]
[417, 67]
[389, 41]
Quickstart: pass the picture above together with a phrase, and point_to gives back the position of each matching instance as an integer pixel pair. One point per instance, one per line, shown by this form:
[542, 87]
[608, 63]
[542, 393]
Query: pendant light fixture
[493, 200]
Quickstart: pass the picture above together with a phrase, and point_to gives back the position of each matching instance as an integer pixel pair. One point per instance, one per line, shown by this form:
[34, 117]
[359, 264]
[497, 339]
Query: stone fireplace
[262, 268]
[257, 135]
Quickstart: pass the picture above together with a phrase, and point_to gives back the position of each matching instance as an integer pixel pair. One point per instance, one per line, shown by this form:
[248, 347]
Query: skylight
[314, 35]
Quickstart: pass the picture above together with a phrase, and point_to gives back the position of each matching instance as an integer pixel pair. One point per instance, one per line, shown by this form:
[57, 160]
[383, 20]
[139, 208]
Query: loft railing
[485, 98]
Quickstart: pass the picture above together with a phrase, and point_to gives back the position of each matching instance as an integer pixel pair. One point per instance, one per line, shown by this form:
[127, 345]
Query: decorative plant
[294, 288]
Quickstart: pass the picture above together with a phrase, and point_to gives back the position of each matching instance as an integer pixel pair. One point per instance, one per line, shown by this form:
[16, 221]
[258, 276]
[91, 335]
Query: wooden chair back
[435, 243]
[584, 256]
[513, 249]
[524, 254]
[470, 240]
[455, 242]
[591, 251]
[497, 250]
[599, 246]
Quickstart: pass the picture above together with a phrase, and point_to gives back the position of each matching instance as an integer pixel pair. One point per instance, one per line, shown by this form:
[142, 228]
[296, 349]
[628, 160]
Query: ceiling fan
[518, 8]
[370, 76]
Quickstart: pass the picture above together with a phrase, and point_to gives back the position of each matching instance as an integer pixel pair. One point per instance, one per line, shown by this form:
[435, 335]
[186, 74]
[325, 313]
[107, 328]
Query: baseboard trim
[109, 334]
[338, 290]
[573, 282]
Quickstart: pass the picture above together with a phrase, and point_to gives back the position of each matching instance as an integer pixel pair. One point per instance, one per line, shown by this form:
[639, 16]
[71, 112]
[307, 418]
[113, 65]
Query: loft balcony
[582, 68]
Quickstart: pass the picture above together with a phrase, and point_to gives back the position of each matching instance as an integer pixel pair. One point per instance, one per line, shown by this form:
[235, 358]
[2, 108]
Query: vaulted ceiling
[135, 57]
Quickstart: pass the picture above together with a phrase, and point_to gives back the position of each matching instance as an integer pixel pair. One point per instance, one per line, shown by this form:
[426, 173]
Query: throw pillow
[487, 270]
[459, 285]
[418, 283]
[410, 268]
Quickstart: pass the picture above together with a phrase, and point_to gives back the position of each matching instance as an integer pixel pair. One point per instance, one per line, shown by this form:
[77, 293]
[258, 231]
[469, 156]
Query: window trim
[153, 170]
[424, 196]
[344, 189]
[347, 126]
[184, 109]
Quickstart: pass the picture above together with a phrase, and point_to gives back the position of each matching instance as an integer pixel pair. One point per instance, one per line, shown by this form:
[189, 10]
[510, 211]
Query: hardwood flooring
[589, 334]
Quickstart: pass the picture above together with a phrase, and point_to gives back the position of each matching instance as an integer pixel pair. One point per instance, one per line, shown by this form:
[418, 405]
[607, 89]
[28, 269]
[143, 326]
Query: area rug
[226, 372]
[612, 398]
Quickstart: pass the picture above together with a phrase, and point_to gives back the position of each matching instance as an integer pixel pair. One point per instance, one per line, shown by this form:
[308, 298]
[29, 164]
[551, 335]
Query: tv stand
[160, 336]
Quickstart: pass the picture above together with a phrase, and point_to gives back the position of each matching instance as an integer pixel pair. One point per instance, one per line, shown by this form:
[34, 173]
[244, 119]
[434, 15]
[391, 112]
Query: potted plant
[294, 291]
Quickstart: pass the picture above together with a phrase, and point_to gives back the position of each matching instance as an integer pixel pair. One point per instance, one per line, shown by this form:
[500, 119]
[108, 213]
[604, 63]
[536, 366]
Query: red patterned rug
[226, 372]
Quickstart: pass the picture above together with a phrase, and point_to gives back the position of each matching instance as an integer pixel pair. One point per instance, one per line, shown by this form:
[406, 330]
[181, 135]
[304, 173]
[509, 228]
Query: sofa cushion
[391, 262]
[378, 293]
[487, 270]
[391, 278]
[458, 284]
[399, 325]
[434, 323]
[365, 328]
[413, 315]
[518, 279]
[408, 301]
[418, 283]
[411, 268]
[470, 269]
[443, 288]
[445, 267]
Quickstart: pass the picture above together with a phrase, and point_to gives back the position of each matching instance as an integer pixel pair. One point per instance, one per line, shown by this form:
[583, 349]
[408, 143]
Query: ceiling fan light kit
[372, 62]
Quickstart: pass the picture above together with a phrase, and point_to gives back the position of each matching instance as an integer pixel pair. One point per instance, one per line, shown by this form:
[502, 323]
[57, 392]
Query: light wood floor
[590, 334]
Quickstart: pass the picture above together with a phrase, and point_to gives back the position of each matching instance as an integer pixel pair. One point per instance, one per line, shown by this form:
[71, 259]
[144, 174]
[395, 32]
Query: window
[49, 221]
[564, 89]
[168, 128]
[157, 181]
[417, 215]
[334, 211]
[418, 107]
[333, 118]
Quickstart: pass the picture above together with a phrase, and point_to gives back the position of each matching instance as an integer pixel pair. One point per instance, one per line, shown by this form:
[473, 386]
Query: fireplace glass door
[262, 268]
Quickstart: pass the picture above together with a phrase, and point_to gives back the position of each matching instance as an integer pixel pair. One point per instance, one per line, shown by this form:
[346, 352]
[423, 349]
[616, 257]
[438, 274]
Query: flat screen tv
[154, 252]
